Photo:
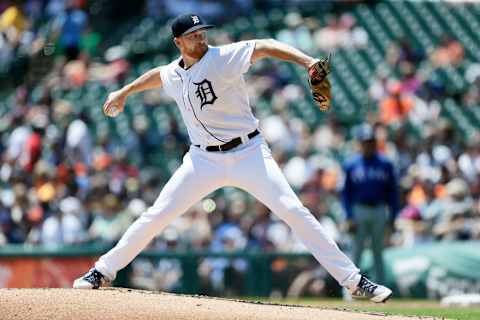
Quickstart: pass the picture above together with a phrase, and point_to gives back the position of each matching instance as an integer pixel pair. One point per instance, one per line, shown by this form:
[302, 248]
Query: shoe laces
[367, 285]
[94, 276]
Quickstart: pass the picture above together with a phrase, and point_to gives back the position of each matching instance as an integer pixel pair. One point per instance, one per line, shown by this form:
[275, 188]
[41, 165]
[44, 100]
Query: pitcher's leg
[190, 183]
[260, 175]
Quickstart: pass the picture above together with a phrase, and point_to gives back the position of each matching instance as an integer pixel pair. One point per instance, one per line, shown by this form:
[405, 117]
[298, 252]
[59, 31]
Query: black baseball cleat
[93, 279]
[367, 289]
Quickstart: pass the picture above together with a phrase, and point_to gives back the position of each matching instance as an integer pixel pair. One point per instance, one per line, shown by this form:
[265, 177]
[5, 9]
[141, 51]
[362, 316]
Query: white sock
[352, 281]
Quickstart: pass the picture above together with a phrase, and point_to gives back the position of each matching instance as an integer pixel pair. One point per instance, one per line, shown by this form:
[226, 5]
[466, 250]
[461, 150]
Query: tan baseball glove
[319, 83]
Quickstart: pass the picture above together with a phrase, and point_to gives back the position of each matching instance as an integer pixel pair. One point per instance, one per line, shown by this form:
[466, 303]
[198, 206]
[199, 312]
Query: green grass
[424, 308]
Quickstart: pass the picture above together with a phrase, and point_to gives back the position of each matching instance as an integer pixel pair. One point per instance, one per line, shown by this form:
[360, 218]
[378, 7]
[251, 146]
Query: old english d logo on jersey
[205, 93]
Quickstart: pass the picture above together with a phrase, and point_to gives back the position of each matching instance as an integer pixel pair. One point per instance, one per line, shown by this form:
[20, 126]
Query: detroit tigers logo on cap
[187, 23]
[195, 19]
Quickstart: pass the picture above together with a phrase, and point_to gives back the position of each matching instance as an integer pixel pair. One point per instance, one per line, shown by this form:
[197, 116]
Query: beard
[198, 51]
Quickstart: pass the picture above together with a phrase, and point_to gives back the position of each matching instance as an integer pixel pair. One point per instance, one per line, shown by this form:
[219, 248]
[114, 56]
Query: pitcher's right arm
[116, 100]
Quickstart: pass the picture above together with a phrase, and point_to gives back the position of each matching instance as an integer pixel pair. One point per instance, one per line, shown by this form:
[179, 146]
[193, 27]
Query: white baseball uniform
[214, 104]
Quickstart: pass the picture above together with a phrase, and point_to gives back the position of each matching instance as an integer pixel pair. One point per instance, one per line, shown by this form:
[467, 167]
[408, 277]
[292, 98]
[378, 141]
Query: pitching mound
[118, 304]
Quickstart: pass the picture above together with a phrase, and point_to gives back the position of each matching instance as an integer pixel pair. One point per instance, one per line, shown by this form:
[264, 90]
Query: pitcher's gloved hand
[319, 83]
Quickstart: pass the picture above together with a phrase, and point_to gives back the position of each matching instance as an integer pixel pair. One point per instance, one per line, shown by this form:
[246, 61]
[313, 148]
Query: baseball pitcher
[227, 148]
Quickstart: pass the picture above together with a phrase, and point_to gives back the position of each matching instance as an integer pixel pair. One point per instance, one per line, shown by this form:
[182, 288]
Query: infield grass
[425, 308]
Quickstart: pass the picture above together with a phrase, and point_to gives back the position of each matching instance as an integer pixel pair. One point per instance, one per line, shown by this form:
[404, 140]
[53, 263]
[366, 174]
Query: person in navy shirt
[370, 197]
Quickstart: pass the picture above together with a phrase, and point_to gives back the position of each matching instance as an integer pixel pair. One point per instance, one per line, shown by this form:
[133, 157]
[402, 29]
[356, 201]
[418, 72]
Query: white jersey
[212, 95]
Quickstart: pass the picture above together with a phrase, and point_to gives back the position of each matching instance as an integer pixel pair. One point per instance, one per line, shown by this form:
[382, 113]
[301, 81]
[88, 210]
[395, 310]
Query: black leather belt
[370, 203]
[230, 144]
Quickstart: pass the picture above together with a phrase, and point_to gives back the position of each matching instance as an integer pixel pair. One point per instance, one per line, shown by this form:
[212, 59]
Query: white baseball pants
[249, 167]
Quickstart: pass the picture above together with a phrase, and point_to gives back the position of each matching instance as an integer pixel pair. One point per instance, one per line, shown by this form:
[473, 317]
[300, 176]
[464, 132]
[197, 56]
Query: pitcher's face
[193, 44]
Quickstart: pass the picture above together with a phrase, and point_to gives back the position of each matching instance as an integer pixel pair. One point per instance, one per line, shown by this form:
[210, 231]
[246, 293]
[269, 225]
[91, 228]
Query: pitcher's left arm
[276, 49]
[318, 70]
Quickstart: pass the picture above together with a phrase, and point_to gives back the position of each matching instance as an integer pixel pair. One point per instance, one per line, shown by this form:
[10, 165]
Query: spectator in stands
[457, 217]
[13, 22]
[226, 273]
[90, 41]
[76, 71]
[449, 52]
[65, 225]
[277, 132]
[18, 138]
[70, 26]
[116, 68]
[296, 33]
[328, 38]
[340, 32]
[229, 236]
[356, 36]
[78, 144]
[258, 233]
[13, 38]
[410, 82]
[370, 187]
[55, 8]
[469, 162]
[394, 108]
[109, 224]
[378, 89]
[411, 228]
[198, 233]
[14, 207]
[32, 149]
[409, 54]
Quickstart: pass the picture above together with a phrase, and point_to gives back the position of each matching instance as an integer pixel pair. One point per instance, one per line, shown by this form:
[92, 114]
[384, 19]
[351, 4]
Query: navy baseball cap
[187, 23]
[364, 133]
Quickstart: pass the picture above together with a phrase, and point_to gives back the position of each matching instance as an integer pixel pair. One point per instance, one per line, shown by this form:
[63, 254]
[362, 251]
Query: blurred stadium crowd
[69, 175]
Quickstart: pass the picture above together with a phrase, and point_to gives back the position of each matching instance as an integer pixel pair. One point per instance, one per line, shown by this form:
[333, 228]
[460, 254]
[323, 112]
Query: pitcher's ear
[177, 42]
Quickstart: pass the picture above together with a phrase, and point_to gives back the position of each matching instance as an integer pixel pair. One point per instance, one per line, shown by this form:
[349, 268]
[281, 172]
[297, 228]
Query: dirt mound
[114, 303]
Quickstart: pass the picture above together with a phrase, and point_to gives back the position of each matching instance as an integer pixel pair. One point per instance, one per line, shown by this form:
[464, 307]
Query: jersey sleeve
[164, 76]
[235, 58]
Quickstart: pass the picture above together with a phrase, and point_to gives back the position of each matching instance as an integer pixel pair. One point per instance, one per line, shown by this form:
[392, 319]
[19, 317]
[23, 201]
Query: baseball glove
[319, 83]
